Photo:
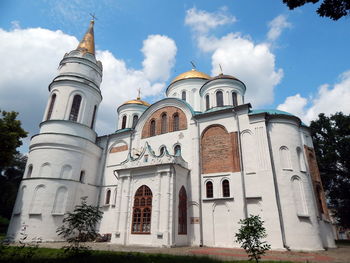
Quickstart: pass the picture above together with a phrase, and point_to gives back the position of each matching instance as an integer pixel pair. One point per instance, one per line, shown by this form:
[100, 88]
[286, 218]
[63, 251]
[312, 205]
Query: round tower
[129, 113]
[63, 160]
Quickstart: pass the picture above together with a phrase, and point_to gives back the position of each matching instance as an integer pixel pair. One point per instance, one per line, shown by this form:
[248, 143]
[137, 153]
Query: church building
[180, 172]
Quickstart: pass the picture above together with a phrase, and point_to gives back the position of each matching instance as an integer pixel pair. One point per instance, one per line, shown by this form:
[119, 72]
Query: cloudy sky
[290, 60]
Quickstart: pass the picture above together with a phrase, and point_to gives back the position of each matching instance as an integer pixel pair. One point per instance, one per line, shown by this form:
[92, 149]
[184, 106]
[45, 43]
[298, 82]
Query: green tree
[334, 9]
[331, 137]
[80, 226]
[11, 133]
[250, 237]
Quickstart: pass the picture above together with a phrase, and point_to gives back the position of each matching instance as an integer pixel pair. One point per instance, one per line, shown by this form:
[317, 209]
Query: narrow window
[124, 122]
[152, 128]
[52, 103]
[182, 212]
[162, 151]
[183, 95]
[59, 206]
[319, 199]
[285, 158]
[209, 188]
[164, 123]
[207, 103]
[225, 188]
[141, 218]
[134, 121]
[108, 197]
[176, 122]
[30, 170]
[93, 117]
[234, 99]
[301, 160]
[82, 177]
[74, 112]
[219, 99]
[177, 150]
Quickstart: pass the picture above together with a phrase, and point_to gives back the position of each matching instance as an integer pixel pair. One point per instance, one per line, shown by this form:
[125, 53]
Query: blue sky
[291, 60]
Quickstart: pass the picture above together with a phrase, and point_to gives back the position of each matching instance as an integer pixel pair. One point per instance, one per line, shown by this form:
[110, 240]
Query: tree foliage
[334, 9]
[12, 163]
[80, 226]
[250, 237]
[331, 136]
[11, 133]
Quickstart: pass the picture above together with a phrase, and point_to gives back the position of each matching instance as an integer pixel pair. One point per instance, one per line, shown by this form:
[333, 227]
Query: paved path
[338, 255]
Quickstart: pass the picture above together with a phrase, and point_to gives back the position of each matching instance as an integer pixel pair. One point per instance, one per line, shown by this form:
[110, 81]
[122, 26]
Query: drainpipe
[245, 210]
[277, 195]
[200, 186]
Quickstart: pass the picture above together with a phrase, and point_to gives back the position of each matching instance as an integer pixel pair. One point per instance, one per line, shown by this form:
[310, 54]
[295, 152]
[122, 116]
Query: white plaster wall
[129, 110]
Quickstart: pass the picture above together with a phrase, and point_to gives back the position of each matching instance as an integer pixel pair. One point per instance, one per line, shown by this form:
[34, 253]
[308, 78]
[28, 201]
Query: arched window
[299, 196]
[219, 99]
[176, 122]
[234, 99]
[82, 177]
[183, 95]
[141, 217]
[177, 150]
[108, 197]
[209, 189]
[301, 160]
[59, 206]
[52, 103]
[152, 128]
[225, 188]
[182, 212]
[74, 112]
[164, 123]
[134, 121]
[30, 170]
[285, 158]
[207, 103]
[93, 117]
[162, 150]
[38, 201]
[124, 122]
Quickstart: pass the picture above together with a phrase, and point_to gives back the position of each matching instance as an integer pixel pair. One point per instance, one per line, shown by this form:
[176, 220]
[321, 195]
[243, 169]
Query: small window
[162, 151]
[93, 117]
[177, 150]
[52, 104]
[30, 170]
[152, 131]
[219, 99]
[74, 112]
[176, 122]
[124, 122]
[209, 188]
[82, 177]
[164, 123]
[108, 197]
[207, 103]
[225, 188]
[234, 99]
[183, 95]
[134, 121]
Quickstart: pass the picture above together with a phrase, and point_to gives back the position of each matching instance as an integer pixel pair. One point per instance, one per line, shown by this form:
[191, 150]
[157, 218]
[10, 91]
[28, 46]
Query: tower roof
[87, 44]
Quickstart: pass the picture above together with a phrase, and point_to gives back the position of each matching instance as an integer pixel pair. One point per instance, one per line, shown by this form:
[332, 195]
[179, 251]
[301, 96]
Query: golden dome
[137, 101]
[192, 74]
[87, 44]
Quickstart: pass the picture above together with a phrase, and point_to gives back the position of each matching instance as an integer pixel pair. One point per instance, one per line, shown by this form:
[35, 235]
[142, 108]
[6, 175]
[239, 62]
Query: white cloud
[30, 58]
[159, 52]
[202, 21]
[253, 63]
[329, 100]
[276, 26]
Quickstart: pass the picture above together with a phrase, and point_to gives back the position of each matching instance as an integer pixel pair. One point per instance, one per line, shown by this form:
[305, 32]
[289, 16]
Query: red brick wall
[316, 180]
[157, 116]
[219, 150]
[118, 149]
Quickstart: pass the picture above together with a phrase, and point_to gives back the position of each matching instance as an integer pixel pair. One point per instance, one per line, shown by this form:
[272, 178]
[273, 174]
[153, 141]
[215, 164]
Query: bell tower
[63, 161]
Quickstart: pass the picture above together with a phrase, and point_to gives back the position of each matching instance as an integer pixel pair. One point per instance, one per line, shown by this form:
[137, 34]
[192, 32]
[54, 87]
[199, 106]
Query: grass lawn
[16, 254]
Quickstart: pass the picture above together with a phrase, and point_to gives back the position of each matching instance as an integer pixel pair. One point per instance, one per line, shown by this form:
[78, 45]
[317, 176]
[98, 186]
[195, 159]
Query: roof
[137, 101]
[271, 112]
[192, 74]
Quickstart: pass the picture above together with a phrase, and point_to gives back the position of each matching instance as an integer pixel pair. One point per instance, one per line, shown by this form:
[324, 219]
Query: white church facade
[180, 172]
